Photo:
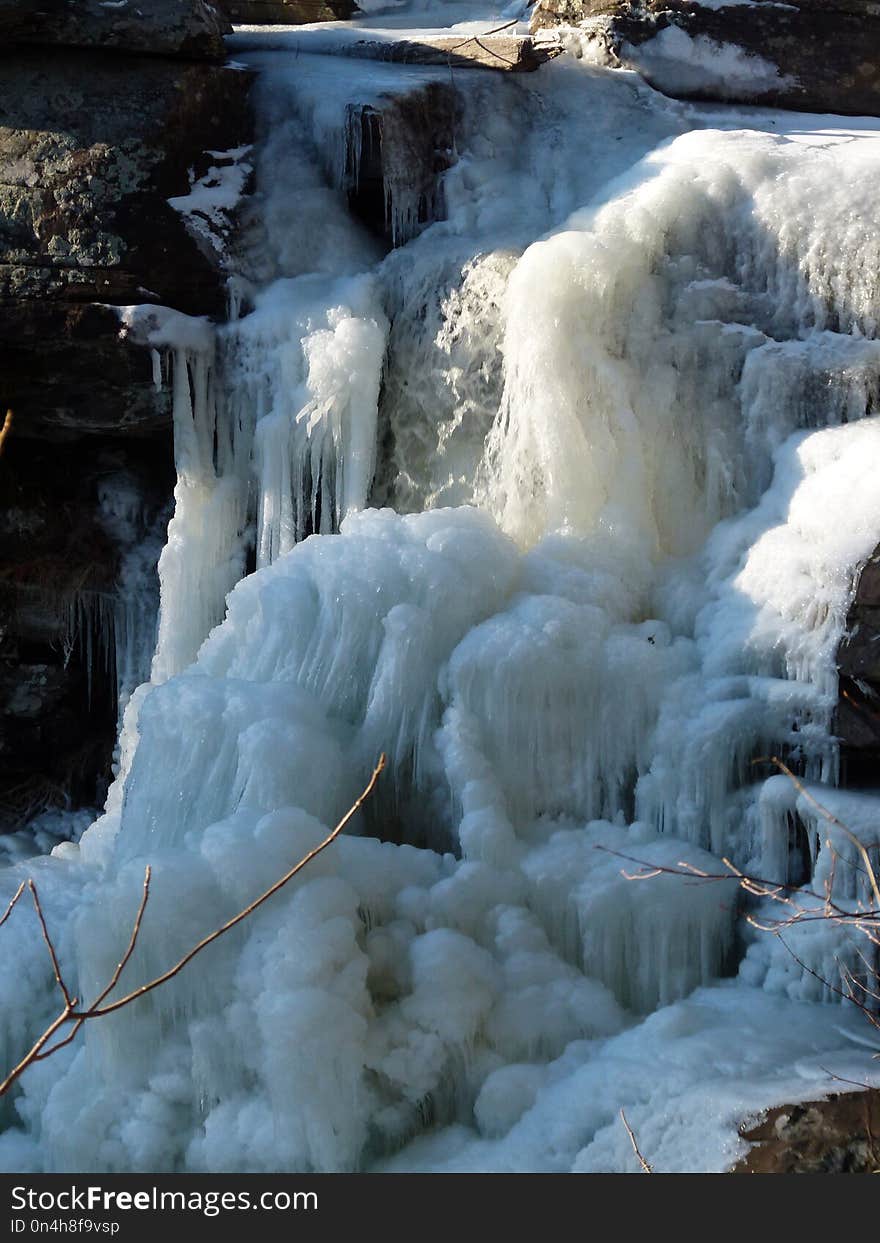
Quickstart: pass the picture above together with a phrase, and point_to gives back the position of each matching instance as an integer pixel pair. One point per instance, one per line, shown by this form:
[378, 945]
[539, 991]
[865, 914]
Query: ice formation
[678, 62]
[560, 505]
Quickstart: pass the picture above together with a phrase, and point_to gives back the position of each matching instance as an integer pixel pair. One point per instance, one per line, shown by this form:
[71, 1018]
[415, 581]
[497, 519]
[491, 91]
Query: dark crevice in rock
[397, 155]
[59, 561]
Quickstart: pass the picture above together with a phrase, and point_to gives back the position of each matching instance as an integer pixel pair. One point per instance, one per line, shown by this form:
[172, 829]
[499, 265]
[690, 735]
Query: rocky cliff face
[188, 28]
[96, 138]
[92, 148]
[286, 12]
[858, 711]
[816, 55]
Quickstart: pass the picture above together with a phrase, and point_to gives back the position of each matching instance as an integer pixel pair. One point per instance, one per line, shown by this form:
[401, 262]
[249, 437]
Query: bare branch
[59, 979]
[248, 910]
[31, 1056]
[135, 932]
[114, 979]
[756, 885]
[484, 34]
[11, 907]
[872, 1019]
[646, 1168]
[861, 916]
[829, 816]
[856, 1083]
[69, 1013]
[5, 429]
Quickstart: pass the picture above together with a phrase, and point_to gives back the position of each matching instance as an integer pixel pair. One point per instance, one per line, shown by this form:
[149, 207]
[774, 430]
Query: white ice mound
[387, 983]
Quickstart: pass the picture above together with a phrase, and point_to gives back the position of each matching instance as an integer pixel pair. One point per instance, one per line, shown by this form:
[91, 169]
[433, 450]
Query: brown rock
[840, 1135]
[814, 56]
[287, 12]
[187, 28]
[93, 145]
[857, 720]
[91, 149]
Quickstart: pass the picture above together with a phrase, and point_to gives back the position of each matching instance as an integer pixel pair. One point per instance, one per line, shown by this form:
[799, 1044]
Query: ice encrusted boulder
[815, 55]
[189, 28]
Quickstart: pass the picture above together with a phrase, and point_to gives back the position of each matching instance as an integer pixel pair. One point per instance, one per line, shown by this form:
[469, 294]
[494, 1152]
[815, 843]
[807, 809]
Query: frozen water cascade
[560, 504]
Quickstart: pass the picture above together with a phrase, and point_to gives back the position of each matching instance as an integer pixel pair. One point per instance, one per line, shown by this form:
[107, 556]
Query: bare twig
[484, 34]
[646, 1168]
[856, 1083]
[13, 900]
[862, 916]
[858, 704]
[114, 979]
[5, 429]
[863, 920]
[847, 996]
[59, 979]
[756, 885]
[95, 1011]
[31, 1056]
[70, 1014]
[832, 819]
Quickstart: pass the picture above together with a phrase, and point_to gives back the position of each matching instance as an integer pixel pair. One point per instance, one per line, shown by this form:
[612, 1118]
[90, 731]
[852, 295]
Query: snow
[686, 1078]
[44, 832]
[383, 23]
[560, 505]
[213, 198]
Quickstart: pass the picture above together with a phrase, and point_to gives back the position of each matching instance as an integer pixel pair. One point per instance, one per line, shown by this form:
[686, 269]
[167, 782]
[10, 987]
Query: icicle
[307, 363]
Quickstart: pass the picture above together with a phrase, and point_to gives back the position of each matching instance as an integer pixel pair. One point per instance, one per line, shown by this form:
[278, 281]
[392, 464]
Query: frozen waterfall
[560, 504]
